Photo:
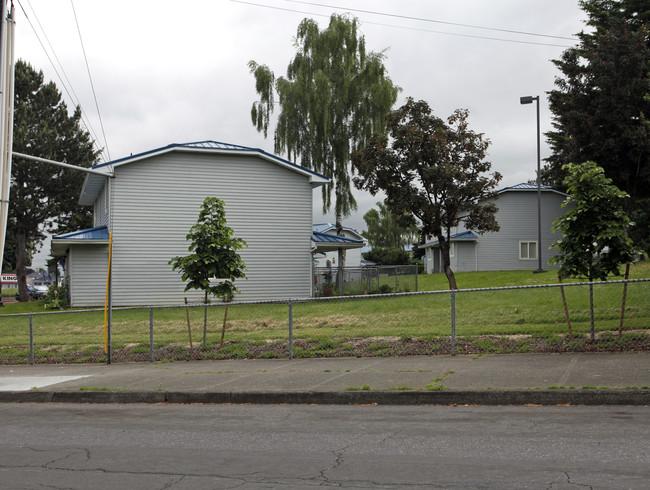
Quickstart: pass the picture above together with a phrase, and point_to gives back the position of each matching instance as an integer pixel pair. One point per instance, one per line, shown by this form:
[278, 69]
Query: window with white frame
[528, 250]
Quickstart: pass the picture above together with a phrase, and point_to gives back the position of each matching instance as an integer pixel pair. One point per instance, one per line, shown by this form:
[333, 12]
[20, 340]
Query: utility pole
[6, 121]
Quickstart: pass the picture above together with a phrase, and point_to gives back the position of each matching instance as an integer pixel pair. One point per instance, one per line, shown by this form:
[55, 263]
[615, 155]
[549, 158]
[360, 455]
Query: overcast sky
[174, 72]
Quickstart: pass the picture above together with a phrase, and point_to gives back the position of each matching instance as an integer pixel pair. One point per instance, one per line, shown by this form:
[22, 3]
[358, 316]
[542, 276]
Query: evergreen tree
[601, 103]
[43, 196]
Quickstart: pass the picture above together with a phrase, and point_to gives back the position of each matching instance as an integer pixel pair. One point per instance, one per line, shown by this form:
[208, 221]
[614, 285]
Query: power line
[99, 114]
[72, 96]
[515, 41]
[421, 19]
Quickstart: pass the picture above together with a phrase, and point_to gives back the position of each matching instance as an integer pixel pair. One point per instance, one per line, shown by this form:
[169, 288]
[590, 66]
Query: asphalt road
[268, 446]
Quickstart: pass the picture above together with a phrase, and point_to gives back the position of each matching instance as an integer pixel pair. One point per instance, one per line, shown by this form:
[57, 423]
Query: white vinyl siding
[157, 200]
[517, 217]
[101, 209]
[502, 250]
[86, 273]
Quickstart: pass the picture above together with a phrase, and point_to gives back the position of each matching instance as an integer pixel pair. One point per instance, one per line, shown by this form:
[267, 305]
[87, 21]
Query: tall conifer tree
[601, 103]
[44, 197]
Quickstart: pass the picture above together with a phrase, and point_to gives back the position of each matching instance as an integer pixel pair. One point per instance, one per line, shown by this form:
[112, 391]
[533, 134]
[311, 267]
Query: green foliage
[384, 229]
[601, 104]
[388, 256]
[57, 298]
[43, 196]
[214, 253]
[431, 170]
[385, 289]
[595, 243]
[334, 96]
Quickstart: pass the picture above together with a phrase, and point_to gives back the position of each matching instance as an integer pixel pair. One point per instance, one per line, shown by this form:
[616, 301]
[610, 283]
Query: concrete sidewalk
[578, 378]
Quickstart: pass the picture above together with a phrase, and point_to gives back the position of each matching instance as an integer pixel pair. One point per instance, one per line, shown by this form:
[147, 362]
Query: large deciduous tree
[594, 242]
[43, 196]
[432, 170]
[334, 97]
[601, 104]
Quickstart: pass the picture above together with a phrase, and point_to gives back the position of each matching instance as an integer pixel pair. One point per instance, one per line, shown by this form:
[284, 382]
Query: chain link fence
[382, 279]
[544, 318]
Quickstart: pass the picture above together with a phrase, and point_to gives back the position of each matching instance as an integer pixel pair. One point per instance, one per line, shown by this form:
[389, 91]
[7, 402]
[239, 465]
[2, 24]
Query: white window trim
[528, 242]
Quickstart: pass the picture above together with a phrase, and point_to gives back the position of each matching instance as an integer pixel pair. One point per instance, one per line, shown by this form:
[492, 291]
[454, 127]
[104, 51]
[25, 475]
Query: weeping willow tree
[334, 97]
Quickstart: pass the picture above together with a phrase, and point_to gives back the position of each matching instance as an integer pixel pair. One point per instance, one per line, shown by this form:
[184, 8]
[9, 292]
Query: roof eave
[59, 247]
[333, 246]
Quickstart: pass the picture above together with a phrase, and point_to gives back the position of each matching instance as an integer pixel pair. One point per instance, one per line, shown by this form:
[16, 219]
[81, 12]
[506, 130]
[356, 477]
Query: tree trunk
[446, 260]
[340, 258]
[21, 264]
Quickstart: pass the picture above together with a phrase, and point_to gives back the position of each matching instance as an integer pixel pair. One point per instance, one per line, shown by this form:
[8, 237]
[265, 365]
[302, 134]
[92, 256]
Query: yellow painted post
[108, 282]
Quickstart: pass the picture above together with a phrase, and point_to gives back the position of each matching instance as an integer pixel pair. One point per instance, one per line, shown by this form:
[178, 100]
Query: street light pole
[529, 100]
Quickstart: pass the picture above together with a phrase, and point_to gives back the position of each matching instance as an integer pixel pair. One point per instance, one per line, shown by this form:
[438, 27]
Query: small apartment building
[515, 246]
[153, 200]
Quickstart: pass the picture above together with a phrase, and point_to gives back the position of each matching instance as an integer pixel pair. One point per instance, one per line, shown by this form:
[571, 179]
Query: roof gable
[526, 187]
[94, 183]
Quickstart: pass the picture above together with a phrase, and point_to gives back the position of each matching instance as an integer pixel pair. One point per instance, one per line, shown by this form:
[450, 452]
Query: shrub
[388, 256]
[57, 298]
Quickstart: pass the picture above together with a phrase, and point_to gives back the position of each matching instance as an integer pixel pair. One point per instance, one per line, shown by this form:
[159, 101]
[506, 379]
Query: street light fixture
[529, 100]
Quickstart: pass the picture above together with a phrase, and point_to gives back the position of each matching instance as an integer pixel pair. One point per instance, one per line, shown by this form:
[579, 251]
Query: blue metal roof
[208, 145]
[318, 237]
[97, 233]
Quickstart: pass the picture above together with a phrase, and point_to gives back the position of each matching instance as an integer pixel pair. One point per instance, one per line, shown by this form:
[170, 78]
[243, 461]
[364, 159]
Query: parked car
[36, 290]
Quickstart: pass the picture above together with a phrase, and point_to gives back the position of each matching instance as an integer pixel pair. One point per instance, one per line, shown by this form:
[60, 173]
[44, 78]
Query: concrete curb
[446, 397]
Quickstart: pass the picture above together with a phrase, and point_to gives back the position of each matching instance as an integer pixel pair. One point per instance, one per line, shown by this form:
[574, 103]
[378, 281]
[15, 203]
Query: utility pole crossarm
[61, 164]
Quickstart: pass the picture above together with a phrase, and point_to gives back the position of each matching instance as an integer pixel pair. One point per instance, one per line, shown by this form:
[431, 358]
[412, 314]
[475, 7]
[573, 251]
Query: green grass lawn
[535, 311]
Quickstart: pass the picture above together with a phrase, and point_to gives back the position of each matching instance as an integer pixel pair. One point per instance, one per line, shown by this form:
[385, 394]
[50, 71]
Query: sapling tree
[595, 242]
[213, 264]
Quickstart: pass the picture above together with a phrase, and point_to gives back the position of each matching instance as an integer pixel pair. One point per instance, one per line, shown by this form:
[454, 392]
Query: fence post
[396, 283]
[151, 333]
[453, 322]
[31, 339]
[290, 329]
[417, 268]
[591, 308]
